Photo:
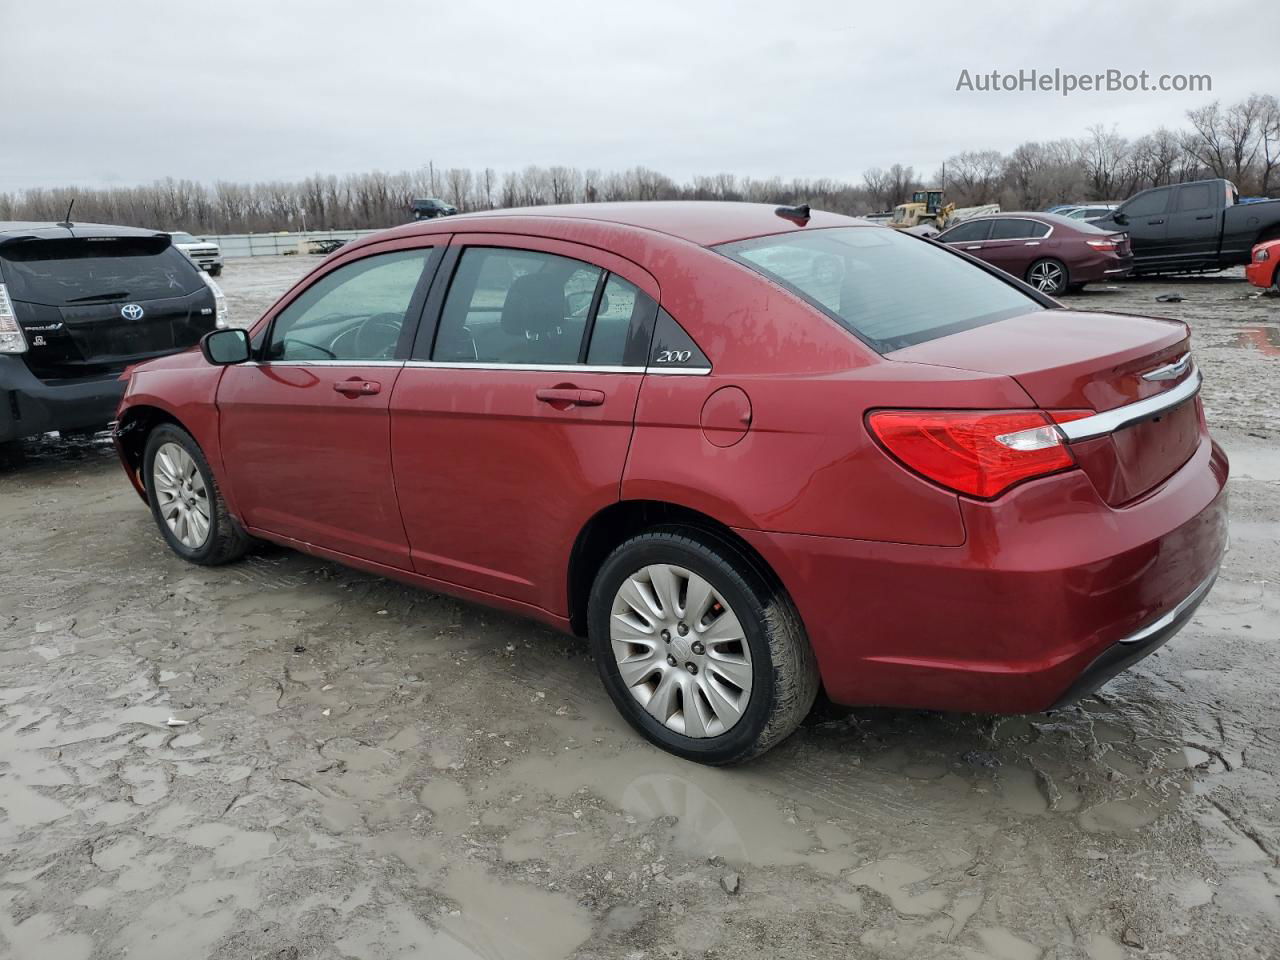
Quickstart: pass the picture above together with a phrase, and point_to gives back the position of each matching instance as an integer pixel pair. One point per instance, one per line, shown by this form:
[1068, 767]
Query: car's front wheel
[1048, 276]
[697, 650]
[215, 270]
[185, 500]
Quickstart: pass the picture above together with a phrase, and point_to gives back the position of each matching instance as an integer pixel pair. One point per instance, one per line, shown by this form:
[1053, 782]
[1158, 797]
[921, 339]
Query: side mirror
[224, 347]
[1119, 217]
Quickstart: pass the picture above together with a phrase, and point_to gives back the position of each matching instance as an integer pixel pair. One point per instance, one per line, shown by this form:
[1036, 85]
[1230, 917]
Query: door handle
[1032, 243]
[976, 246]
[570, 396]
[355, 387]
[1204, 216]
[1154, 222]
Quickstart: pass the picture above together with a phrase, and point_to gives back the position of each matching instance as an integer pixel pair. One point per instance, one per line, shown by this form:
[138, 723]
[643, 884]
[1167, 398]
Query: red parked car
[1052, 253]
[1261, 271]
[746, 453]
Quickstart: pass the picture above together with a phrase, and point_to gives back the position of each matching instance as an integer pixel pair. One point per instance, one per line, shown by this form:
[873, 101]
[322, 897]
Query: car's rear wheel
[697, 650]
[185, 500]
[1048, 276]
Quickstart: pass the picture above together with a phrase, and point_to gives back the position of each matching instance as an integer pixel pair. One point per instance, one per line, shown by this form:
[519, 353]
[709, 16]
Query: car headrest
[535, 304]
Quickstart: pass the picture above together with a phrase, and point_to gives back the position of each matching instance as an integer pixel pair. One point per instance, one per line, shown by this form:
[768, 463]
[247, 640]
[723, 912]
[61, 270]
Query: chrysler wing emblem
[1170, 371]
[131, 311]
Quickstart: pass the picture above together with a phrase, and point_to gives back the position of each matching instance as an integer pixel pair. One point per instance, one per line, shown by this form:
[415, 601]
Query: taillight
[979, 453]
[222, 316]
[11, 338]
[1109, 244]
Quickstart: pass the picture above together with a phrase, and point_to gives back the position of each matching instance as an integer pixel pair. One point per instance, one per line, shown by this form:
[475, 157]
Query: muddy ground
[370, 771]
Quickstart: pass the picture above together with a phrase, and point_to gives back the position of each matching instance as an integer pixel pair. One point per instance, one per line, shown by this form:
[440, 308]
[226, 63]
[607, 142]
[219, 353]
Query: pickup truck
[1192, 227]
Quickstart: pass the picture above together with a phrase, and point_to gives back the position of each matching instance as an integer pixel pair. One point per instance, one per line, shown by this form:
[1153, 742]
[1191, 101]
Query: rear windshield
[60, 273]
[889, 289]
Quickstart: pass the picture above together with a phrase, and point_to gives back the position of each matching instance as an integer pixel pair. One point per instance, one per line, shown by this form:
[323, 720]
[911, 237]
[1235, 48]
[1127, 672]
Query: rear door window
[1011, 229]
[509, 306]
[889, 289]
[1196, 197]
[60, 273]
[623, 325]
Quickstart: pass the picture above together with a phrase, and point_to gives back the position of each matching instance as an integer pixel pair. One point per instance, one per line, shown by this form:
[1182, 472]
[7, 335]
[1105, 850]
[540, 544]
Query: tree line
[1239, 141]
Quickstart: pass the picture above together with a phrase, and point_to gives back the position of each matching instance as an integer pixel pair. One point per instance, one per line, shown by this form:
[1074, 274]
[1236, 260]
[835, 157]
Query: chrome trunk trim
[1100, 424]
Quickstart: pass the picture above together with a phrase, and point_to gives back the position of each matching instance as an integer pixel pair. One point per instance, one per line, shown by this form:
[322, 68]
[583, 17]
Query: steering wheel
[377, 337]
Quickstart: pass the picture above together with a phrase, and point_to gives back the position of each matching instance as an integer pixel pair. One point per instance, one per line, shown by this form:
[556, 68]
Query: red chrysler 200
[748, 453]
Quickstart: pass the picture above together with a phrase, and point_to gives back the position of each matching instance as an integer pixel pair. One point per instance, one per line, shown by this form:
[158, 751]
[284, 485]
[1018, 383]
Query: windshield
[889, 289]
[183, 238]
[59, 273]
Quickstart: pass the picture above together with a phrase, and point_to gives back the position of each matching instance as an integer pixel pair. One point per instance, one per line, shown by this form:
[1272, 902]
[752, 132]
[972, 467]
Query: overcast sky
[128, 92]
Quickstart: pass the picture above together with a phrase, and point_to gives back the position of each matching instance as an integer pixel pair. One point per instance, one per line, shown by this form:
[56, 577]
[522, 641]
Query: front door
[510, 427]
[304, 429]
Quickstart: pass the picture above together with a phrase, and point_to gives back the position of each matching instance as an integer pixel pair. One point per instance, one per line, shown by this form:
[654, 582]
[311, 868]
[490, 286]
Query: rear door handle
[976, 246]
[1154, 222]
[1204, 216]
[570, 396]
[355, 387]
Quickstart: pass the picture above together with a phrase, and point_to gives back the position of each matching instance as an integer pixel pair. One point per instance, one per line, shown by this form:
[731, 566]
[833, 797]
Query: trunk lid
[1096, 362]
[90, 307]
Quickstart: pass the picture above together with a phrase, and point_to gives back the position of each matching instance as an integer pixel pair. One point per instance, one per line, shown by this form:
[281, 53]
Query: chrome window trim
[1100, 424]
[1166, 621]
[554, 367]
[1038, 223]
[322, 363]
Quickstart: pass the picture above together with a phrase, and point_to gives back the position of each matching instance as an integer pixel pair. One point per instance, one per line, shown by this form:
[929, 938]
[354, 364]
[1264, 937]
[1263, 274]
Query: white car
[206, 254]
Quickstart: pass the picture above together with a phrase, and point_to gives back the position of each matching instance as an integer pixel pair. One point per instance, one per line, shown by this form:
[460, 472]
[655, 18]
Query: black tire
[1075, 288]
[12, 453]
[215, 271]
[226, 540]
[785, 673]
[1063, 278]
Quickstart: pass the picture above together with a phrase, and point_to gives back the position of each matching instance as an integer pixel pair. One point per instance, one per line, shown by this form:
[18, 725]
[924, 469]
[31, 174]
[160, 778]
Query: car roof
[704, 222]
[26, 230]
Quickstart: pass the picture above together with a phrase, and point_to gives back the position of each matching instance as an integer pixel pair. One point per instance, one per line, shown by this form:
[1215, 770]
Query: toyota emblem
[131, 311]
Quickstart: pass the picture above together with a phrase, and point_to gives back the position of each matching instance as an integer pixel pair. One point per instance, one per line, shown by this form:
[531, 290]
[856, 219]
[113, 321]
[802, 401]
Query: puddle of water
[504, 920]
[895, 880]
[724, 813]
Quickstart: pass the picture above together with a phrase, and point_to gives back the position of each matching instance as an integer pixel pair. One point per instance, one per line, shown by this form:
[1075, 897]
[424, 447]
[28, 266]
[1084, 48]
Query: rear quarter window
[59, 273]
[889, 289]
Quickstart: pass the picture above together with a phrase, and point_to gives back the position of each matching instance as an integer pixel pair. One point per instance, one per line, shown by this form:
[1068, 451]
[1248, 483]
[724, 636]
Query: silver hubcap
[681, 650]
[1046, 277]
[181, 495]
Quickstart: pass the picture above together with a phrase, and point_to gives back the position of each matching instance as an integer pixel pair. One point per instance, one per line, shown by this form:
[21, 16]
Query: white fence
[273, 244]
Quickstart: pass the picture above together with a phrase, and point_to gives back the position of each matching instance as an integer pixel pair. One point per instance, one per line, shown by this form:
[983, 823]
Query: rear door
[511, 423]
[1014, 244]
[89, 307]
[304, 430]
[1195, 222]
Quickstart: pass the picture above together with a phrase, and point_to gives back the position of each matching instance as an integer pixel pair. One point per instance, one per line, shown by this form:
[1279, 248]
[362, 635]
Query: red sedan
[747, 453]
[1054, 254]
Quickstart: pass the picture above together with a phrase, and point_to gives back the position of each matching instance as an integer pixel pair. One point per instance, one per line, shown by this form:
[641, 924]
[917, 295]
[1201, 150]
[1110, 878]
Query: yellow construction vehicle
[927, 209]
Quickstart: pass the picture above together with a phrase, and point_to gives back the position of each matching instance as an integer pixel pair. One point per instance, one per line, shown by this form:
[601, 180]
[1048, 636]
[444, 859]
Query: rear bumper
[1103, 266]
[29, 406]
[1052, 593]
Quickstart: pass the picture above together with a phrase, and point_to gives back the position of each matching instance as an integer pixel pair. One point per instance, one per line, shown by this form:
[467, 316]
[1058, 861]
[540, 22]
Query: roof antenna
[66, 222]
[798, 213]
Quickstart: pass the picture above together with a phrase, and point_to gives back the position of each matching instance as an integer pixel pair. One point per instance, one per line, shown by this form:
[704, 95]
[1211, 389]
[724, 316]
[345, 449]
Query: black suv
[428, 208]
[78, 304]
